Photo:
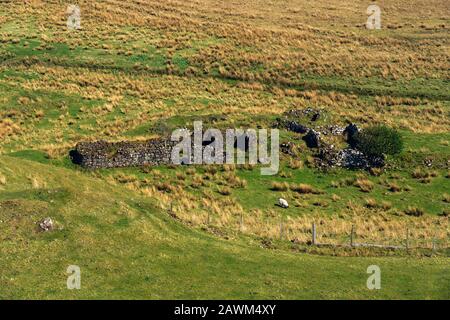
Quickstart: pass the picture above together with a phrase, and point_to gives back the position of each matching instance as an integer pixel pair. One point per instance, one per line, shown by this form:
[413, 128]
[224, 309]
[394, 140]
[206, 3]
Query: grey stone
[347, 158]
[46, 224]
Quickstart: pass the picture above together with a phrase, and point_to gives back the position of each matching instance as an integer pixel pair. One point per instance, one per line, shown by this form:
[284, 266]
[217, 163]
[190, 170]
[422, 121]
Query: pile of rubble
[303, 121]
[347, 158]
[328, 155]
[295, 120]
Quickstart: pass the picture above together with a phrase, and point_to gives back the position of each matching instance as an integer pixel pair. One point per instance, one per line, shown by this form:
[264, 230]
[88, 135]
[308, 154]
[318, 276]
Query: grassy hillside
[127, 248]
[142, 68]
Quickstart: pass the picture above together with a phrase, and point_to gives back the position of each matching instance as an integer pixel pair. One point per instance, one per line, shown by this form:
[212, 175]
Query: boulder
[312, 139]
[351, 131]
[46, 224]
[315, 116]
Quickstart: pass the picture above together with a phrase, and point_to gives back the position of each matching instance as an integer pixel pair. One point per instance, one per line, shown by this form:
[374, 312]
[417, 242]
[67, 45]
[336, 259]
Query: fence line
[354, 244]
[284, 232]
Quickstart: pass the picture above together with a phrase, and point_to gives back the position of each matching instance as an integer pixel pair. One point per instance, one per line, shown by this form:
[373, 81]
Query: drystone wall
[102, 154]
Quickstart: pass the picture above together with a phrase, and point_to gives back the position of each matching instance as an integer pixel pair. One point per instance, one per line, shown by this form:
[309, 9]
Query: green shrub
[378, 141]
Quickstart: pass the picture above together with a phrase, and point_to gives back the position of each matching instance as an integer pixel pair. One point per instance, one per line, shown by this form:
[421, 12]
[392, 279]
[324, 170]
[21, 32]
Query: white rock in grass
[283, 203]
[46, 224]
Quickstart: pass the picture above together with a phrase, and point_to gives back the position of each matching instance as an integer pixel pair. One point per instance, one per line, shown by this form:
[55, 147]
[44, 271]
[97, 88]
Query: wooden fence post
[313, 234]
[407, 239]
[351, 236]
[281, 230]
[241, 223]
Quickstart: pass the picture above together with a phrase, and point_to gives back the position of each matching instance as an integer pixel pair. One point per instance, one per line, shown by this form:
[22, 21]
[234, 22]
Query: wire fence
[328, 235]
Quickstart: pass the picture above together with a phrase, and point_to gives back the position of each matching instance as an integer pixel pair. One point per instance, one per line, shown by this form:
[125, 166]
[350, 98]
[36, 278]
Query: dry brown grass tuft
[224, 190]
[386, 205]
[229, 167]
[166, 187]
[394, 187]
[279, 186]
[123, 178]
[445, 197]
[376, 171]
[414, 211]
[335, 197]
[424, 176]
[364, 185]
[180, 176]
[284, 174]
[2, 180]
[371, 203]
[303, 188]
[197, 182]
[37, 183]
[295, 164]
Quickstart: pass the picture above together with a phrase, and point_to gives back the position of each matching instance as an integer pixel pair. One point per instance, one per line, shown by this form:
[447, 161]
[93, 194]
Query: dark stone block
[312, 139]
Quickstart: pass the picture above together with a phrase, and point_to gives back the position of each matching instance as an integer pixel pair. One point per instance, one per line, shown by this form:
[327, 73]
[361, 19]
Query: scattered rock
[312, 139]
[46, 224]
[309, 114]
[288, 148]
[354, 159]
[292, 120]
[428, 162]
[333, 129]
[347, 158]
[290, 125]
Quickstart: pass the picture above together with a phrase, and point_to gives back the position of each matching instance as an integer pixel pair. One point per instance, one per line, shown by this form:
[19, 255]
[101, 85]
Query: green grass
[126, 248]
[166, 78]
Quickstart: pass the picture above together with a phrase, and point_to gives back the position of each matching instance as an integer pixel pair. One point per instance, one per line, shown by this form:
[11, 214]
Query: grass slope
[128, 249]
[144, 67]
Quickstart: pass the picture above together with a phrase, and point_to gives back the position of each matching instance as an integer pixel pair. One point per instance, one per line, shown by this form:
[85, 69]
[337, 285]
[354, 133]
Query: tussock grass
[2, 180]
[364, 185]
[279, 186]
[303, 188]
[295, 164]
[445, 197]
[394, 187]
[141, 75]
[414, 211]
[225, 191]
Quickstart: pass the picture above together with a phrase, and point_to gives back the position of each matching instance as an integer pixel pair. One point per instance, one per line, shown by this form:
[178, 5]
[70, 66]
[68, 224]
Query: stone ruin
[347, 158]
[102, 154]
[304, 122]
